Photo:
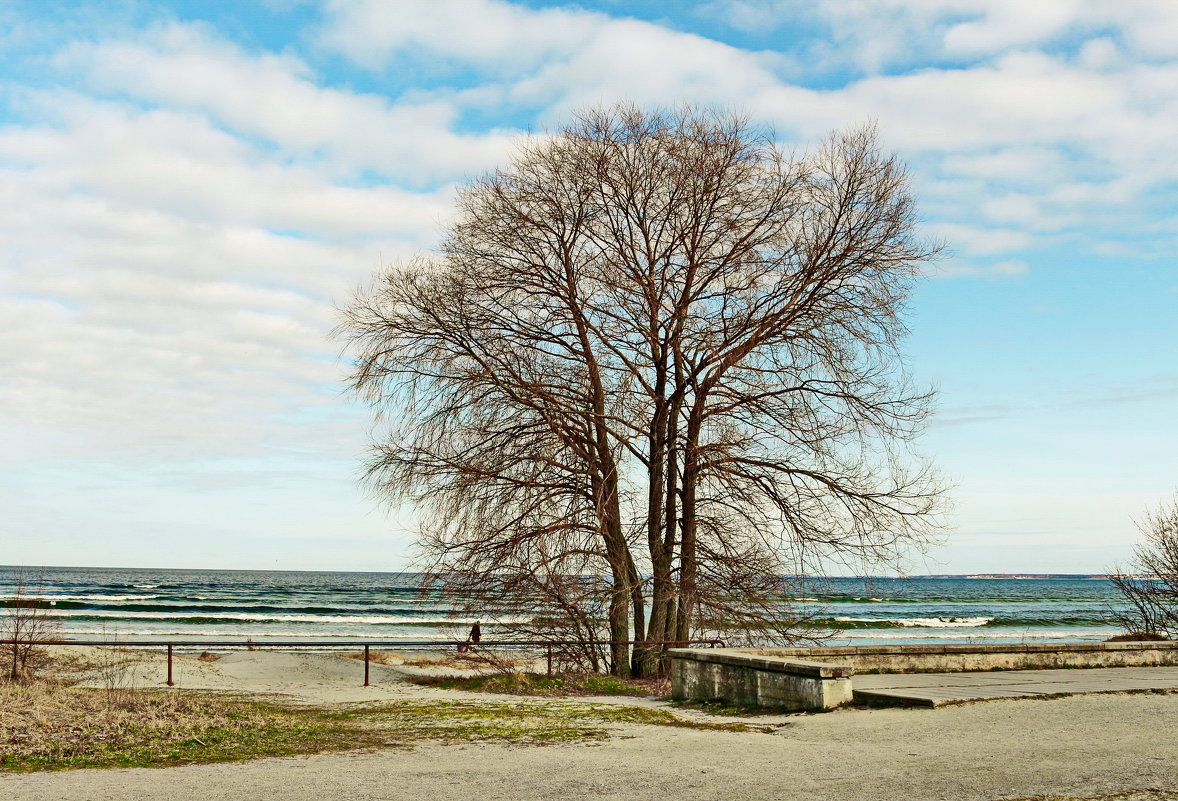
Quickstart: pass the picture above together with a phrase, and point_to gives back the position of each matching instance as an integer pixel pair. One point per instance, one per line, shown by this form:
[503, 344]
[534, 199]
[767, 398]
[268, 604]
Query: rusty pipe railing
[548, 645]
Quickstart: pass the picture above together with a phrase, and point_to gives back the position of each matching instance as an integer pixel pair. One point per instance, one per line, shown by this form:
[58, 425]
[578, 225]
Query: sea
[157, 604]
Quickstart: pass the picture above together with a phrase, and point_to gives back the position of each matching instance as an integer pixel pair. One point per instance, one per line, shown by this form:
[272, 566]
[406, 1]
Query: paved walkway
[938, 689]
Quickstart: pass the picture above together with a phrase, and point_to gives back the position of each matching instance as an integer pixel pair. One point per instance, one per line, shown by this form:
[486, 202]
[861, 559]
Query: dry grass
[207, 656]
[48, 726]
[1149, 794]
[53, 727]
[34, 662]
[378, 657]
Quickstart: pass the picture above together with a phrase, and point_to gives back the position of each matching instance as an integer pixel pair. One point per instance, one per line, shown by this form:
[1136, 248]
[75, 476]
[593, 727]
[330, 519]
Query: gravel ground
[1082, 746]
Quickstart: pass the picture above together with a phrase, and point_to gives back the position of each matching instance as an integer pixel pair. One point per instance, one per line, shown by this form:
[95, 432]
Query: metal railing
[367, 645]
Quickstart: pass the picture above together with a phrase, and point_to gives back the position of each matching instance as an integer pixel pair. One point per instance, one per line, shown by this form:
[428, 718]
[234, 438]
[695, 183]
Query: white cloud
[1005, 122]
[645, 64]
[1003, 24]
[136, 157]
[874, 34]
[1023, 99]
[499, 36]
[972, 240]
[550, 59]
[168, 286]
[275, 97]
[1016, 164]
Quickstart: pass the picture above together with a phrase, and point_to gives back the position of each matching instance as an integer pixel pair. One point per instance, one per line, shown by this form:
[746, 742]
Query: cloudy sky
[187, 189]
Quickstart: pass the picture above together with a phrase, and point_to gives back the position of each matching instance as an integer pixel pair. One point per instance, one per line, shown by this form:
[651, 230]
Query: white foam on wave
[260, 637]
[256, 617]
[52, 598]
[923, 622]
[992, 634]
[236, 633]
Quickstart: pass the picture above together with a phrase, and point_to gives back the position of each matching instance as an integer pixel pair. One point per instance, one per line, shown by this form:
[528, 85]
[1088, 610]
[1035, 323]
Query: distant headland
[1039, 576]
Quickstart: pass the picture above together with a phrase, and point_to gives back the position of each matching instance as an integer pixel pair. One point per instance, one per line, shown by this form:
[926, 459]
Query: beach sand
[1083, 746]
[313, 678]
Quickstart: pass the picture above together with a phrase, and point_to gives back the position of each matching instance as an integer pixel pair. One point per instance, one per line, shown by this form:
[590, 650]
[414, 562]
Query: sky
[189, 190]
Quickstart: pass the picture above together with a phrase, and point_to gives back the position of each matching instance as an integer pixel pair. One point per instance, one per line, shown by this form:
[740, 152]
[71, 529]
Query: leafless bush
[1152, 587]
[27, 623]
[117, 672]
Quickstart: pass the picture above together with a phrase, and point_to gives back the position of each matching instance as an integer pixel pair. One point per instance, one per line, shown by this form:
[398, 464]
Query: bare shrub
[26, 624]
[1152, 587]
[117, 674]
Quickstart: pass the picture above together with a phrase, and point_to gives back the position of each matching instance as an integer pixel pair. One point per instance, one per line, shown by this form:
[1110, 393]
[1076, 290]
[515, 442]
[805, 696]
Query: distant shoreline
[1021, 576]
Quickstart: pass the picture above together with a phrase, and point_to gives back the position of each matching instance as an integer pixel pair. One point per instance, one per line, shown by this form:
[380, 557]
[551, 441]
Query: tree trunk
[688, 565]
[659, 558]
[618, 557]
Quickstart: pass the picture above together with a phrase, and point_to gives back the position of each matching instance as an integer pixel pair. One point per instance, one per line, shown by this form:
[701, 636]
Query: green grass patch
[544, 686]
[521, 724]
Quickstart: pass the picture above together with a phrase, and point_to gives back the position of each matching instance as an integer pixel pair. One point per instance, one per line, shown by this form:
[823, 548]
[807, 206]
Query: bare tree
[25, 624]
[658, 350]
[1152, 589]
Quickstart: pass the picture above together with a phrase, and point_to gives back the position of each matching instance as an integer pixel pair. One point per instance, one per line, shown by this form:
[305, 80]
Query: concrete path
[938, 689]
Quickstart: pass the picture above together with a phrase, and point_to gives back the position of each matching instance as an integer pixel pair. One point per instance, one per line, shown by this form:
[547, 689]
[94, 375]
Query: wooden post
[549, 659]
[170, 684]
[365, 665]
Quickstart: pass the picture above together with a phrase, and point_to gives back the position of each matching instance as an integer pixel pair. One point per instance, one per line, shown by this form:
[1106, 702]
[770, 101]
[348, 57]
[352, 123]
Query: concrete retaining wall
[1014, 656]
[748, 679]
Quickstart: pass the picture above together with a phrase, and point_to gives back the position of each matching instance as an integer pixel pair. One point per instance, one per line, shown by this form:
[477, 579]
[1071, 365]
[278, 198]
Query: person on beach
[476, 634]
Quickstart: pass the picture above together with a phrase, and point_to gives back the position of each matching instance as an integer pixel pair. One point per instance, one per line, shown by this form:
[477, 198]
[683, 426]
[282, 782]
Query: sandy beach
[1085, 746]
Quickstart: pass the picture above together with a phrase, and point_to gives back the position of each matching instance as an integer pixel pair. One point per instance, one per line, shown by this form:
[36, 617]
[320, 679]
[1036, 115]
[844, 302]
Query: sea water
[106, 603]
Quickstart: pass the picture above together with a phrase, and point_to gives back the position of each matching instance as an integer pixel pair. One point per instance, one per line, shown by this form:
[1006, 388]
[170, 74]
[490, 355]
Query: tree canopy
[652, 373]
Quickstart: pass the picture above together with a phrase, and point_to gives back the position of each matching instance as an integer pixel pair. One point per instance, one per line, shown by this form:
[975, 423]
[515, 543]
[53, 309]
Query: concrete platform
[939, 689]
